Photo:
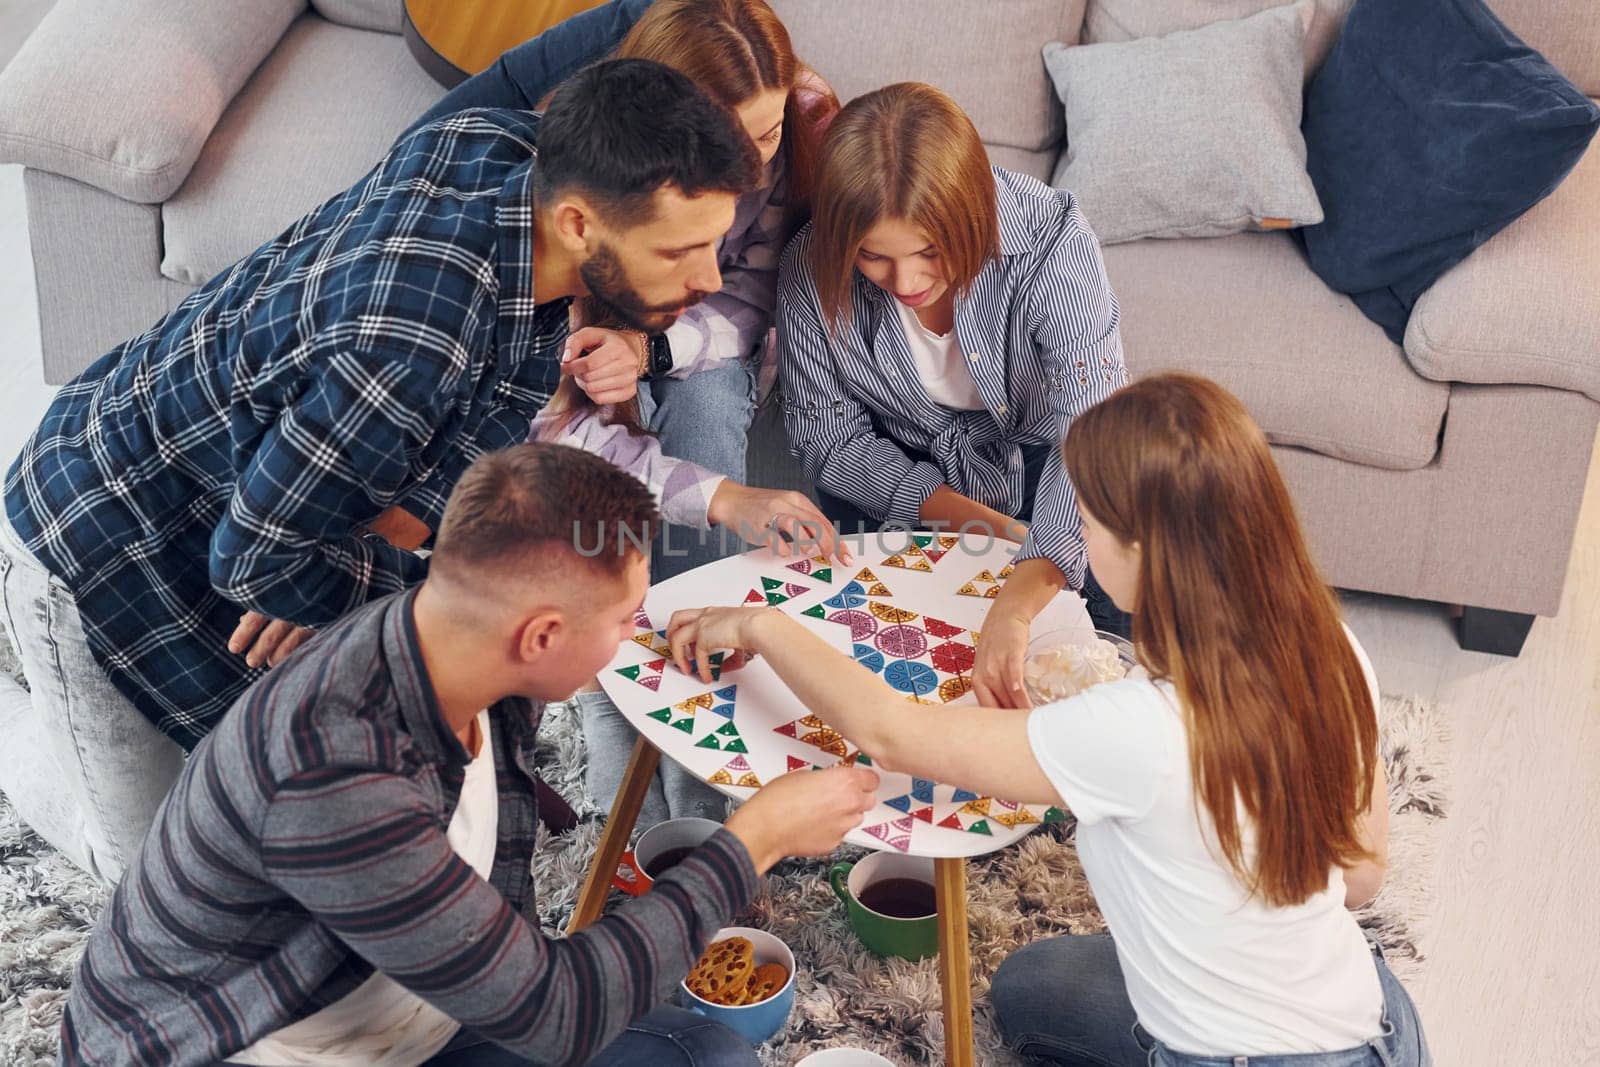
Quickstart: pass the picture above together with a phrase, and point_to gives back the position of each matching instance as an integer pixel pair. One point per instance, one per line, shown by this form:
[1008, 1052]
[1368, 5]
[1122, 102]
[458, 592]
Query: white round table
[909, 607]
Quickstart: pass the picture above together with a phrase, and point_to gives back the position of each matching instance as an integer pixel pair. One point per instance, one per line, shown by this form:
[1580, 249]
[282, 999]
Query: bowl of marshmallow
[1063, 663]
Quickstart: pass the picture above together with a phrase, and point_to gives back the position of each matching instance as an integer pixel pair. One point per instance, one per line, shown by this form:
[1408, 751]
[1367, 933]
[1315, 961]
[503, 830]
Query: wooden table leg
[955, 972]
[614, 841]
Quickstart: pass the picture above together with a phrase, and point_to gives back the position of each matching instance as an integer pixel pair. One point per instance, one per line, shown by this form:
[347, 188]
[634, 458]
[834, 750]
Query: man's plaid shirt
[230, 457]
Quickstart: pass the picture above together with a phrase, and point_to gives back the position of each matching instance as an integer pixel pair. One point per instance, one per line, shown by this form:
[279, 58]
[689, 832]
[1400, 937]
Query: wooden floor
[1514, 974]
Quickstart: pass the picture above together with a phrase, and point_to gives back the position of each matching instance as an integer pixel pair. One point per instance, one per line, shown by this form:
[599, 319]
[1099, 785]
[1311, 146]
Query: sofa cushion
[1429, 128]
[984, 53]
[1567, 32]
[1196, 134]
[1246, 311]
[1525, 307]
[1108, 21]
[384, 15]
[122, 96]
[317, 115]
[1034, 164]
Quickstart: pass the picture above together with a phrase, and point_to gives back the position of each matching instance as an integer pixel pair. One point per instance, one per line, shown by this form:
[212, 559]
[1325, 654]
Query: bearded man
[206, 493]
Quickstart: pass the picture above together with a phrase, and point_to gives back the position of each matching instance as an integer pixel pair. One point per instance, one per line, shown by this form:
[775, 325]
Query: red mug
[663, 837]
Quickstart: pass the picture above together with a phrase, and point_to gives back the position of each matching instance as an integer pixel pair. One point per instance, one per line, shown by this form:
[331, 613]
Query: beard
[603, 275]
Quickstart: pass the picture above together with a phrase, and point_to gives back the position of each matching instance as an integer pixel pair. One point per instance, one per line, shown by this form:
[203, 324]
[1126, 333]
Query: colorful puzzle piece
[911, 563]
[872, 583]
[655, 641]
[816, 567]
[740, 767]
[645, 674]
[853, 595]
[889, 613]
[897, 834]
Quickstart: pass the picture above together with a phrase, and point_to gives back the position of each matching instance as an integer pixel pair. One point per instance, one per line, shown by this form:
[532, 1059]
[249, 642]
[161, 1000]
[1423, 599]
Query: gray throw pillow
[1196, 134]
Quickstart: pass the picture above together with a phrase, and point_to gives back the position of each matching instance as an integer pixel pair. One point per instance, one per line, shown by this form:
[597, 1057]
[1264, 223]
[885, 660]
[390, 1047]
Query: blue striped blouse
[1039, 330]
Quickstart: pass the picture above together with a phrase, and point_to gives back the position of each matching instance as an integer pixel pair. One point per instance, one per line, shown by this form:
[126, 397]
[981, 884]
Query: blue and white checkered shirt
[230, 457]
[1039, 331]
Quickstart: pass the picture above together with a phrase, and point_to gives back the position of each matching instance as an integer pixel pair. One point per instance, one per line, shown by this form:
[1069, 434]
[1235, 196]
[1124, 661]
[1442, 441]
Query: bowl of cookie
[744, 980]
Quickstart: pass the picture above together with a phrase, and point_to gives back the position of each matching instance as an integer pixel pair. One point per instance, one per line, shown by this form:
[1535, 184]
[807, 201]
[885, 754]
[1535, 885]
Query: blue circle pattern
[910, 677]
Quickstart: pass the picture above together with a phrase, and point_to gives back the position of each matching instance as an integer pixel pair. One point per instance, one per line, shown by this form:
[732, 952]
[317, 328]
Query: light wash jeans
[1064, 1001]
[704, 418]
[81, 765]
[666, 1037]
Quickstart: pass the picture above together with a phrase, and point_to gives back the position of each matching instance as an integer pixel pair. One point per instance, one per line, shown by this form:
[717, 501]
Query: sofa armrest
[122, 94]
[1524, 309]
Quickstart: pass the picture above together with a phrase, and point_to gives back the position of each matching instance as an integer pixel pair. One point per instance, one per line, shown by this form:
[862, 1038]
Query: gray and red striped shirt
[304, 846]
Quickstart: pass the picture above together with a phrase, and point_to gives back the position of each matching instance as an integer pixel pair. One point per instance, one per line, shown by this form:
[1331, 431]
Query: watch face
[660, 354]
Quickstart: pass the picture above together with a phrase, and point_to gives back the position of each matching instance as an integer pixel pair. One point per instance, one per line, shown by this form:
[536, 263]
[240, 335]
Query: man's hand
[997, 671]
[787, 521]
[268, 641]
[695, 633]
[604, 363]
[804, 813]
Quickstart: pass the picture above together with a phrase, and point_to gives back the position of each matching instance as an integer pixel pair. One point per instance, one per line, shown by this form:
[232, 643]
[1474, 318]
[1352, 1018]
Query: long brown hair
[906, 151]
[734, 49]
[1231, 608]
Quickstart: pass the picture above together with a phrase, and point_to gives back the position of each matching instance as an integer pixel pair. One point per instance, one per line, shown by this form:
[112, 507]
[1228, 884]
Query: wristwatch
[658, 355]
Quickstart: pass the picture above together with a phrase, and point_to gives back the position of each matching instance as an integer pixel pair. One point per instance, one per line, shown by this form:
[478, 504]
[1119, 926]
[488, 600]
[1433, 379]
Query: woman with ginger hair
[1229, 792]
[941, 323]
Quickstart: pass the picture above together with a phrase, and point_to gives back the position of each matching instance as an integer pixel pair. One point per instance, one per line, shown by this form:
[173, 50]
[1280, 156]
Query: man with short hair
[340, 874]
[202, 494]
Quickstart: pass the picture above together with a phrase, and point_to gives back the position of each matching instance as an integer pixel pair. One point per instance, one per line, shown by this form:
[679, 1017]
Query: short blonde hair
[907, 152]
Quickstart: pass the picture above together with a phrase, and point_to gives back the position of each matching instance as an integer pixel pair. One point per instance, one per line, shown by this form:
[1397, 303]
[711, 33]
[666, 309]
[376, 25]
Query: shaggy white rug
[844, 996]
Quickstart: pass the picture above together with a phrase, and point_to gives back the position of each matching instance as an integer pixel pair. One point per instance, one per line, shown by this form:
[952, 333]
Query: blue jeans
[704, 418]
[523, 75]
[1064, 1001]
[1103, 611]
[667, 1037]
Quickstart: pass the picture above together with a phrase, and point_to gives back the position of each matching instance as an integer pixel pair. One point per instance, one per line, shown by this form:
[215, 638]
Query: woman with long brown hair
[702, 375]
[1229, 793]
[941, 322]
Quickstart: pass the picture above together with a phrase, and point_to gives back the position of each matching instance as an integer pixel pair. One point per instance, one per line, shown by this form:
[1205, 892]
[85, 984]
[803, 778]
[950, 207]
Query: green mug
[899, 885]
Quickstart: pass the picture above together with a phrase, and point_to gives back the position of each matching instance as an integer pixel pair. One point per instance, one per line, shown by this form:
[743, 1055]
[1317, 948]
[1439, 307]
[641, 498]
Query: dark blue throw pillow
[1428, 129]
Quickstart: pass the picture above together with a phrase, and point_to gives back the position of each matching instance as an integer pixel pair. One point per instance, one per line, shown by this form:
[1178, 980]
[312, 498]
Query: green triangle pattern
[980, 827]
[735, 745]
[1054, 814]
[727, 729]
[824, 575]
[685, 724]
[769, 584]
[774, 599]
[922, 540]
[630, 673]
[709, 741]
[815, 612]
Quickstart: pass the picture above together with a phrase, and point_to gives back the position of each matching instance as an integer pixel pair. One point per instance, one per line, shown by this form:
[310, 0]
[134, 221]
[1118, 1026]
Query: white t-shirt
[941, 366]
[381, 1023]
[1209, 971]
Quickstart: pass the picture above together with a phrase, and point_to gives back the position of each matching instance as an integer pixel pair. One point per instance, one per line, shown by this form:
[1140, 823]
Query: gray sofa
[162, 139]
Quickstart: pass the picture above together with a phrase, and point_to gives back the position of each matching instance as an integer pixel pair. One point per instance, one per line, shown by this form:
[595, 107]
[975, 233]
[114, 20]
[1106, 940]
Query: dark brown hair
[528, 507]
[905, 151]
[1231, 608]
[734, 49]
